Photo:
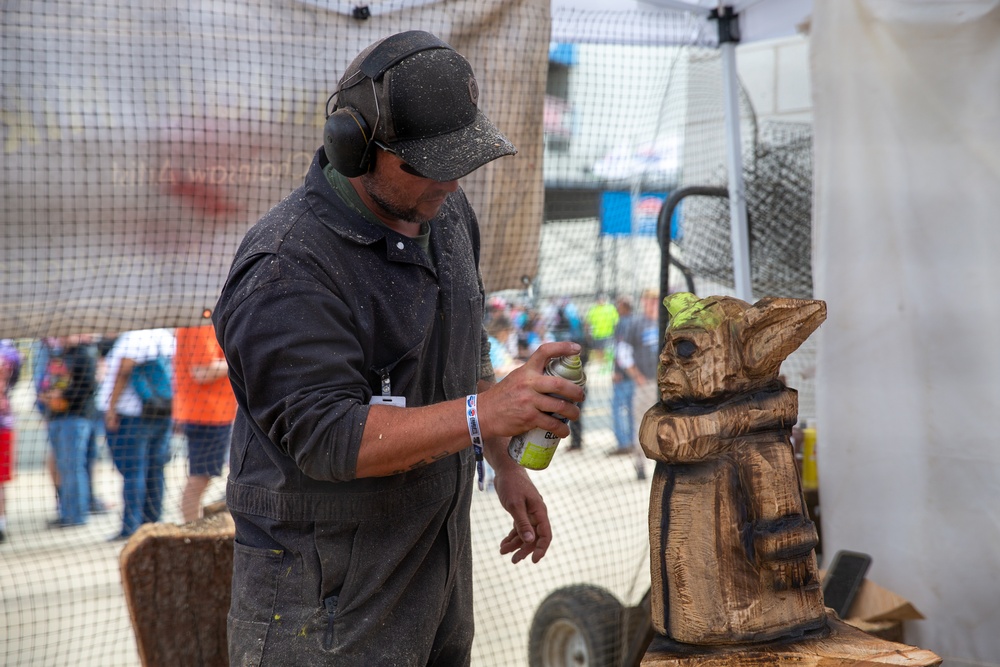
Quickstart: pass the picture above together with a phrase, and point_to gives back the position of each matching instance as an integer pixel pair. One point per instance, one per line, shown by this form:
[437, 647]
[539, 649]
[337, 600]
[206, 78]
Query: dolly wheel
[576, 626]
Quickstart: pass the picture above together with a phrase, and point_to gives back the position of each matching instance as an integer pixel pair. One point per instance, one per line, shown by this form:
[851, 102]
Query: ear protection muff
[348, 141]
[347, 138]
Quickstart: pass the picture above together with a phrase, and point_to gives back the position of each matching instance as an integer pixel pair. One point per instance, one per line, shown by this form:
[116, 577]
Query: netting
[141, 142]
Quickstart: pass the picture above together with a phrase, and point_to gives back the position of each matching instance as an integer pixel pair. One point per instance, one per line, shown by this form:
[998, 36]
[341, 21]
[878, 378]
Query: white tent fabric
[674, 21]
[907, 192]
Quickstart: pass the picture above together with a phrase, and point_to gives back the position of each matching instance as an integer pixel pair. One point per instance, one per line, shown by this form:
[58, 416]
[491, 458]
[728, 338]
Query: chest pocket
[402, 376]
[464, 348]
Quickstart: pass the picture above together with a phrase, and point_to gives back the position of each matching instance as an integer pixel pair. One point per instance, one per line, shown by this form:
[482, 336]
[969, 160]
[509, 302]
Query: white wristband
[476, 434]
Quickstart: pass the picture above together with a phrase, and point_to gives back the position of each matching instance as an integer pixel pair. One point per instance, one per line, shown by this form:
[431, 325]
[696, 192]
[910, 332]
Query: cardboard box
[879, 611]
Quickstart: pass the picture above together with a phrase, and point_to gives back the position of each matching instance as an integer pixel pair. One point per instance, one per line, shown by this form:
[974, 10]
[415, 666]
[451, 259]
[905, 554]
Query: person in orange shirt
[204, 409]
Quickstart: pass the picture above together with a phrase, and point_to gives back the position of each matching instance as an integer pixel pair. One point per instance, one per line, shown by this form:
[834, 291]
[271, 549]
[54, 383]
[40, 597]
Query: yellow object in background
[810, 479]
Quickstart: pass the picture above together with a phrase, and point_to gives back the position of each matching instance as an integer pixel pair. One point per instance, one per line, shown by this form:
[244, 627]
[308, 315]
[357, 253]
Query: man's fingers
[542, 542]
[546, 351]
[534, 532]
[511, 543]
[514, 544]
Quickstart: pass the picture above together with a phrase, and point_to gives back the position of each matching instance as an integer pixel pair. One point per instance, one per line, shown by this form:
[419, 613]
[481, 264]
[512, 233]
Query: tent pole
[729, 36]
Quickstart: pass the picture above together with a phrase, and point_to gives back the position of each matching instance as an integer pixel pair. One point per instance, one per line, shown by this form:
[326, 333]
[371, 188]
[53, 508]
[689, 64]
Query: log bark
[177, 581]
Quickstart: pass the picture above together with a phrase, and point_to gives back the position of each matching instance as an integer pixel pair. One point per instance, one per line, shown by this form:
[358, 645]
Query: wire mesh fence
[141, 142]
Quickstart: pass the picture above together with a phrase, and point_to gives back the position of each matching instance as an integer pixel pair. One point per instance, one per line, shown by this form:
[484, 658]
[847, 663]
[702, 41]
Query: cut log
[177, 581]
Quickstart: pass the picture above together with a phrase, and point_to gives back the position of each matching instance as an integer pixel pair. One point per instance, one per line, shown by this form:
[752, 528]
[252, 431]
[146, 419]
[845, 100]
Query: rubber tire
[576, 626]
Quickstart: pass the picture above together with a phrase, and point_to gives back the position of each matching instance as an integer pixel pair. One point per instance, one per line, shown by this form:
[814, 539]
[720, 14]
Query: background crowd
[77, 378]
[125, 396]
[617, 338]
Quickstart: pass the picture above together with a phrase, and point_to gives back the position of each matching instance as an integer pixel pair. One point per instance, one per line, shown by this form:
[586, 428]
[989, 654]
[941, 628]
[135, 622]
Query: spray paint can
[534, 449]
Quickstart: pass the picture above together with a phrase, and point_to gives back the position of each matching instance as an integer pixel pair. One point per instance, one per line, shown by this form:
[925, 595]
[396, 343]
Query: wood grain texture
[837, 645]
[732, 544]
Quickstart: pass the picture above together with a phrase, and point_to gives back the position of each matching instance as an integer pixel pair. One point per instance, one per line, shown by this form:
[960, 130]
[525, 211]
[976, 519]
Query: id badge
[398, 401]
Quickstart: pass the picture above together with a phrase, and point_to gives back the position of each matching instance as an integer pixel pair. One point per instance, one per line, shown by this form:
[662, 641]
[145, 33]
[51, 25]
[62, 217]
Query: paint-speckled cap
[424, 105]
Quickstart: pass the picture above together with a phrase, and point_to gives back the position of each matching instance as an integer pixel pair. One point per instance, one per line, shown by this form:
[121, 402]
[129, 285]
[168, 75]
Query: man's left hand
[532, 532]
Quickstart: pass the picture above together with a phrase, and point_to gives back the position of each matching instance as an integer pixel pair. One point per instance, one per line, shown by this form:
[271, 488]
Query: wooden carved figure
[733, 558]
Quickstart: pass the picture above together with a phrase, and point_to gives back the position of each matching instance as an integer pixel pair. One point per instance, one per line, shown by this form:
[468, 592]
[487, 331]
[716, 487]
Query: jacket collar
[336, 214]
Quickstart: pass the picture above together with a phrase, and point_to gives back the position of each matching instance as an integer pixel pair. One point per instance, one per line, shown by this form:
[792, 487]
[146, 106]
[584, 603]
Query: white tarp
[140, 140]
[907, 198]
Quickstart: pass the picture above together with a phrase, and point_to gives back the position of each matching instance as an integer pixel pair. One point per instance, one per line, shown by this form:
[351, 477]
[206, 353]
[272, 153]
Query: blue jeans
[69, 437]
[622, 421]
[93, 454]
[140, 449]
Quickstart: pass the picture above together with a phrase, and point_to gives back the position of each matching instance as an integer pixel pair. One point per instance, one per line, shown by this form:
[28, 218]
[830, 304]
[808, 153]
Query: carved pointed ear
[774, 328]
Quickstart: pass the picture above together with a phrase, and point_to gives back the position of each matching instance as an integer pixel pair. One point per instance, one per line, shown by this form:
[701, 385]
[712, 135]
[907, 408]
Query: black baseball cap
[423, 105]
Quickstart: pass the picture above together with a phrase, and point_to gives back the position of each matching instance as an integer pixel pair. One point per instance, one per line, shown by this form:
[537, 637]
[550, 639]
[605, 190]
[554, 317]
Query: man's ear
[774, 328]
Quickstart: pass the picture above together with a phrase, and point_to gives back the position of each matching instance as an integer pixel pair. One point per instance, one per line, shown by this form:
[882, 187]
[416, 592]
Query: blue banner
[623, 214]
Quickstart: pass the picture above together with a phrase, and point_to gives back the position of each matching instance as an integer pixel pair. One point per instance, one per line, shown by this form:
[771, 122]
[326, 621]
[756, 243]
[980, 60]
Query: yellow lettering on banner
[186, 94]
[300, 112]
[280, 113]
[20, 127]
[121, 175]
[267, 172]
[73, 119]
[142, 173]
[162, 96]
[100, 102]
[196, 176]
[166, 173]
[52, 130]
[218, 175]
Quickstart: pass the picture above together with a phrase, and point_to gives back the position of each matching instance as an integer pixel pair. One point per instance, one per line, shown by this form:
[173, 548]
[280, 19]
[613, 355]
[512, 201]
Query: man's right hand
[526, 398]
[111, 421]
[399, 439]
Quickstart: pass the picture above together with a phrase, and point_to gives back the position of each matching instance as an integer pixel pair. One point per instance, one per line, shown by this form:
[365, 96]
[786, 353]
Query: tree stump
[177, 586]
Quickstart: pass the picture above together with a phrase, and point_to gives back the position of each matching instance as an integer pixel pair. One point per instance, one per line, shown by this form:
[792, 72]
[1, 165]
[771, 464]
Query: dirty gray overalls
[329, 569]
[387, 582]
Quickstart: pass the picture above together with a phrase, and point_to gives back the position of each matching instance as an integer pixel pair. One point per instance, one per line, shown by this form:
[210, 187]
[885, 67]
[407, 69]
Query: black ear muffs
[347, 141]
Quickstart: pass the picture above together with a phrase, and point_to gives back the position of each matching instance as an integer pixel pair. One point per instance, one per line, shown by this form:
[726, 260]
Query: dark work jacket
[320, 305]
[81, 361]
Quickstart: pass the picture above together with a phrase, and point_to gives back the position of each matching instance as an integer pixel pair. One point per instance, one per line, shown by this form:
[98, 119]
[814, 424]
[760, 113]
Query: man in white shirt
[140, 446]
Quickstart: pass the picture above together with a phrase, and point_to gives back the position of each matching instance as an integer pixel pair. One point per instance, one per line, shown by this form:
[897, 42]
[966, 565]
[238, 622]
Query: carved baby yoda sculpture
[732, 546]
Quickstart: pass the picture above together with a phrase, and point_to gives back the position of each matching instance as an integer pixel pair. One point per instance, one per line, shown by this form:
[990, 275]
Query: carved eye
[685, 349]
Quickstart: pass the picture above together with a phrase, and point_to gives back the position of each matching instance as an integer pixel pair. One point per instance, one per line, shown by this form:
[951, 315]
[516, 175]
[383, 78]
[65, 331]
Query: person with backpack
[136, 397]
[66, 391]
[42, 351]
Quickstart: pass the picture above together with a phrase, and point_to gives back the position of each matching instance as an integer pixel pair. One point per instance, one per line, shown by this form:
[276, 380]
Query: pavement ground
[61, 598]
